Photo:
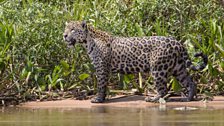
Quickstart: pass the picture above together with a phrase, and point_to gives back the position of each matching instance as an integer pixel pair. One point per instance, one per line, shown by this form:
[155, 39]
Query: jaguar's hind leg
[160, 81]
[186, 81]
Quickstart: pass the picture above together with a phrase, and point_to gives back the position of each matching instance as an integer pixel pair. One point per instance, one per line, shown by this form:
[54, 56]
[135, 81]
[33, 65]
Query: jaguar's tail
[200, 66]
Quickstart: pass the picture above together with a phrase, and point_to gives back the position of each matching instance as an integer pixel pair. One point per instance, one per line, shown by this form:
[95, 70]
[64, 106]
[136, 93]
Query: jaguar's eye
[73, 30]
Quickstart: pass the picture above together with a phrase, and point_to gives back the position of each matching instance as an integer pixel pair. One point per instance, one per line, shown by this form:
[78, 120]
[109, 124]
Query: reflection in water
[110, 116]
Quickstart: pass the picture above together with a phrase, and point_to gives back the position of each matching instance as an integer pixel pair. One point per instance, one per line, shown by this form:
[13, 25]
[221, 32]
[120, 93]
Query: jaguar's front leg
[102, 80]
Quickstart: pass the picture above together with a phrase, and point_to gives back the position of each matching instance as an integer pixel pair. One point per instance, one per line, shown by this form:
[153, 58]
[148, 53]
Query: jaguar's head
[75, 32]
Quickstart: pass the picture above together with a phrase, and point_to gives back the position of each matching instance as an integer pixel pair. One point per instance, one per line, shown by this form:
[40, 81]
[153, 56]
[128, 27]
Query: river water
[112, 116]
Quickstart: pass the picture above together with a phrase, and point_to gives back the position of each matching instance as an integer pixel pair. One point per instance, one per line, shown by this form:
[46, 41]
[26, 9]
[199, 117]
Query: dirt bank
[123, 101]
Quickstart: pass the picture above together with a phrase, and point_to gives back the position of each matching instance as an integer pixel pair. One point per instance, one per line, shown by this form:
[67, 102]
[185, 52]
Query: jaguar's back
[136, 54]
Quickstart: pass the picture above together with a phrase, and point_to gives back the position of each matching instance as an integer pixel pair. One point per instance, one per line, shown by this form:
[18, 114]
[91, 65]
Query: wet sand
[124, 101]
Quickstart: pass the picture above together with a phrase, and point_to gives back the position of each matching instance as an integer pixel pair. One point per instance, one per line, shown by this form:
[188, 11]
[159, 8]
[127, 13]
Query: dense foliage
[35, 62]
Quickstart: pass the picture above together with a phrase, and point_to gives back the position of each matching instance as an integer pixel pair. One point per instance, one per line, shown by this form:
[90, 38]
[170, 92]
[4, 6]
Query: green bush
[34, 58]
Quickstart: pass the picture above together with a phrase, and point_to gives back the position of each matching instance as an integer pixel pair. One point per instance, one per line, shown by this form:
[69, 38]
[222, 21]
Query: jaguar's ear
[84, 25]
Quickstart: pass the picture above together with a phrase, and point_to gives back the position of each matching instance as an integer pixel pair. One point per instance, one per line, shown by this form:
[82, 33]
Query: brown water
[111, 116]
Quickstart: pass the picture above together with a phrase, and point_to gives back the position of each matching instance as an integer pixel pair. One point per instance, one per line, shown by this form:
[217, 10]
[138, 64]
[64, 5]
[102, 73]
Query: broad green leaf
[175, 85]
[83, 76]
[64, 64]
[139, 29]
[128, 78]
[66, 73]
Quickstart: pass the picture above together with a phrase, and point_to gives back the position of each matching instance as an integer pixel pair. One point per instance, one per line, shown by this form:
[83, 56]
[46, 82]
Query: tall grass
[34, 58]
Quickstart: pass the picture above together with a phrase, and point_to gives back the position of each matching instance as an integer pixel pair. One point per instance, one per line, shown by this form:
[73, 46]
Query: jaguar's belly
[128, 69]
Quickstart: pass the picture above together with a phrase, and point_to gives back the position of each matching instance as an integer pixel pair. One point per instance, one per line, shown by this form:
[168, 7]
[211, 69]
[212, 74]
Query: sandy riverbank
[123, 101]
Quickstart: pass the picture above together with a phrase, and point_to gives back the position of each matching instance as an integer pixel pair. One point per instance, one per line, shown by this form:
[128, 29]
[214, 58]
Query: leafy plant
[6, 34]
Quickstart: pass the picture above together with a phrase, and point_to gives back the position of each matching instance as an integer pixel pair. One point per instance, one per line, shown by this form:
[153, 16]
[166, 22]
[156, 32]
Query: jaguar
[161, 56]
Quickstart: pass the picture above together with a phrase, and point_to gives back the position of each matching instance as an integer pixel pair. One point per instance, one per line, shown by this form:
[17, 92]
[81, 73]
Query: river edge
[134, 101]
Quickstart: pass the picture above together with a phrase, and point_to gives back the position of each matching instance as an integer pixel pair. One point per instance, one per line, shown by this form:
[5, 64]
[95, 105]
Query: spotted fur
[161, 56]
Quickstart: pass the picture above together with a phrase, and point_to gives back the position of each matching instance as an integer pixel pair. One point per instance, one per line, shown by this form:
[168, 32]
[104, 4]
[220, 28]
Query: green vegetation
[35, 62]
